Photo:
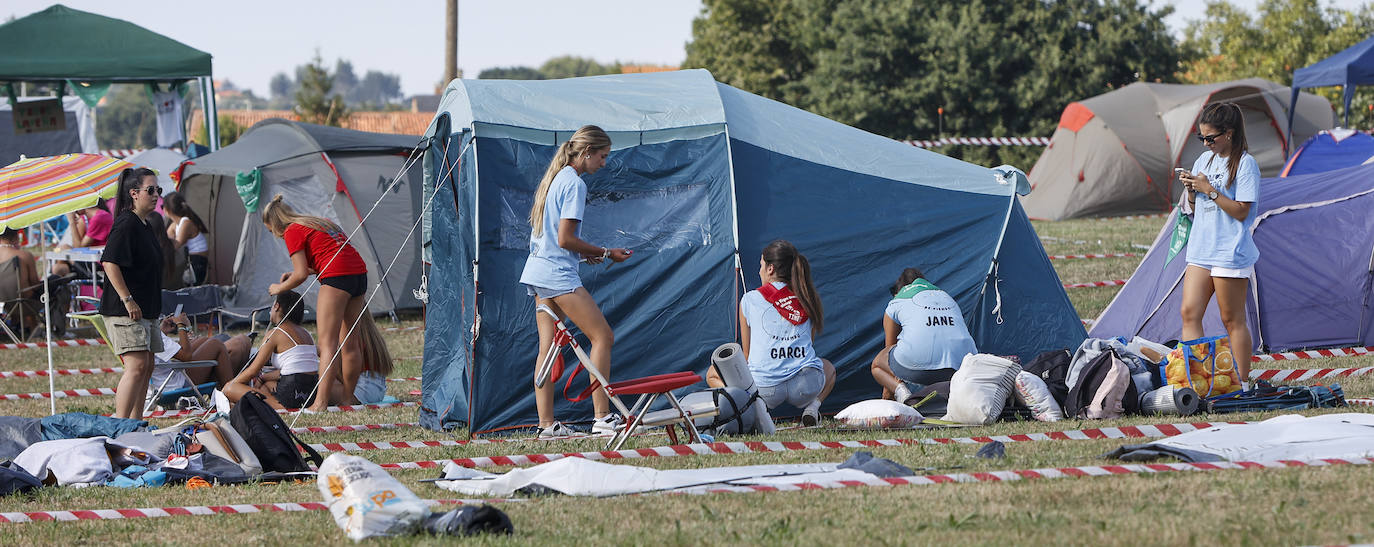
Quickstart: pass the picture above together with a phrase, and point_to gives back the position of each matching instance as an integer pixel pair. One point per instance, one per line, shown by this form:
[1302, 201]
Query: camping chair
[160, 395]
[14, 308]
[649, 389]
[207, 302]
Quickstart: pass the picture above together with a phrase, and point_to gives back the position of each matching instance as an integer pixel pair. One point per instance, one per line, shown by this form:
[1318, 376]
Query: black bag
[15, 480]
[1091, 379]
[271, 440]
[1053, 368]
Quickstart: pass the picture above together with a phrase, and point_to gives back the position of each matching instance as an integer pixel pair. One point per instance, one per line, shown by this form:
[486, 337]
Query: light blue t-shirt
[550, 266]
[1217, 239]
[777, 348]
[933, 334]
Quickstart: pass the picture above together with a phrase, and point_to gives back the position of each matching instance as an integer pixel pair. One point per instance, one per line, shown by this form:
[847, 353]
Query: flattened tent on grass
[1114, 154]
[325, 171]
[700, 178]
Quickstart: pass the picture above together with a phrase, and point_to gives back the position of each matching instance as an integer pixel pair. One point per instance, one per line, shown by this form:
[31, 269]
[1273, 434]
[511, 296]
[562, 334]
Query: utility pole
[450, 44]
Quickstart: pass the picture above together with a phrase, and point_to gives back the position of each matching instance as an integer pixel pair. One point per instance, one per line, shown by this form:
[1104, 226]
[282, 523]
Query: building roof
[396, 123]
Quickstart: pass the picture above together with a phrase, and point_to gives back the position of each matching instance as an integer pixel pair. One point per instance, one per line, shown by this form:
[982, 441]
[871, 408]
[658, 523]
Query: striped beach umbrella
[36, 189]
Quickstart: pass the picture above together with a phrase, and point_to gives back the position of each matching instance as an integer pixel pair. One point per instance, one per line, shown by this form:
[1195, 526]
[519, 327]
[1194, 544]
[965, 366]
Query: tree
[568, 66]
[378, 89]
[345, 81]
[511, 73]
[1287, 35]
[229, 132]
[126, 118]
[996, 68]
[315, 100]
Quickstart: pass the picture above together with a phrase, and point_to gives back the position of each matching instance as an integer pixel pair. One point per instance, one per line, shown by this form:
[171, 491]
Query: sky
[251, 40]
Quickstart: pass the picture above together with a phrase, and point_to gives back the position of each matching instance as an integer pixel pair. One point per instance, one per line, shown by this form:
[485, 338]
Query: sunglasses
[1209, 139]
[152, 190]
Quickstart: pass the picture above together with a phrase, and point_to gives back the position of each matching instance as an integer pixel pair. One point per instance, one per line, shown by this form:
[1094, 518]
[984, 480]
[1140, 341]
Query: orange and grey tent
[1114, 154]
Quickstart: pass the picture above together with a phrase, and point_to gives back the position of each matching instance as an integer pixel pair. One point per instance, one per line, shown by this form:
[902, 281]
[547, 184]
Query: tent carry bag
[269, 437]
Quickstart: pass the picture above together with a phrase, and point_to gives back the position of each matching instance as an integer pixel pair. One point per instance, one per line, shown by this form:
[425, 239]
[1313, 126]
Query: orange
[1221, 381]
[1224, 360]
[1199, 383]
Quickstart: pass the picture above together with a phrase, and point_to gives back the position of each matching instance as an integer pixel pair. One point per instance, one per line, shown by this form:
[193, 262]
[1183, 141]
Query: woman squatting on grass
[551, 276]
[1222, 189]
[777, 322]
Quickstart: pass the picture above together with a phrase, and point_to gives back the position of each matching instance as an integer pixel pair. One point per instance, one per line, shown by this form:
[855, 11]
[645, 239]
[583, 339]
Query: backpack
[1053, 368]
[268, 436]
[1103, 390]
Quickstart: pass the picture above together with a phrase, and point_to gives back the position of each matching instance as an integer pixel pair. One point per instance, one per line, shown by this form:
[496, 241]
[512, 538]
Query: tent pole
[47, 329]
[207, 102]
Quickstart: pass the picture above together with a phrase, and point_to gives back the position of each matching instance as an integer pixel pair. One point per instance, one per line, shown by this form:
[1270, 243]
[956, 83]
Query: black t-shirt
[134, 248]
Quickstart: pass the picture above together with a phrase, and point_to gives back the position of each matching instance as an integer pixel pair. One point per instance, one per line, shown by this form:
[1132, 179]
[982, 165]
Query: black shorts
[293, 390]
[354, 285]
[200, 266]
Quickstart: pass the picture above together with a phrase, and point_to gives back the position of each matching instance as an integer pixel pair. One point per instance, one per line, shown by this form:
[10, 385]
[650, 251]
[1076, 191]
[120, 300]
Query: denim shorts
[798, 390]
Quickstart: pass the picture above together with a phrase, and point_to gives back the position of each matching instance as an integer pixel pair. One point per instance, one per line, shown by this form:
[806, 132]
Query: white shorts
[1233, 273]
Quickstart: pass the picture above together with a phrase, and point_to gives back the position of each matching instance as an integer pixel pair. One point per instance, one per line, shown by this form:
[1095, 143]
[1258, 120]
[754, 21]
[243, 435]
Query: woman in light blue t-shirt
[550, 273]
[1222, 189]
[925, 338]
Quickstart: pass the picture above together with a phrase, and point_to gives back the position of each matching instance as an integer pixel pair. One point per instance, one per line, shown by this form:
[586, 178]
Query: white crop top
[299, 359]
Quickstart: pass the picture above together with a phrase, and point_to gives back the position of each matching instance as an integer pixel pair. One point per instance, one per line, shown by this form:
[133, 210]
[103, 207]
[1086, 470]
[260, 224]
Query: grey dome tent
[325, 171]
[1114, 154]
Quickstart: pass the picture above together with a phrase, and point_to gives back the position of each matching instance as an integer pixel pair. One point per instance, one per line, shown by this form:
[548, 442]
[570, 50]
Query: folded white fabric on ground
[1288, 437]
[583, 477]
[79, 462]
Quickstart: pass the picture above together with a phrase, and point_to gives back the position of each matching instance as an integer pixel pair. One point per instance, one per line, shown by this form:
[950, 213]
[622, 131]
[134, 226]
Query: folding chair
[649, 389]
[160, 395]
[13, 306]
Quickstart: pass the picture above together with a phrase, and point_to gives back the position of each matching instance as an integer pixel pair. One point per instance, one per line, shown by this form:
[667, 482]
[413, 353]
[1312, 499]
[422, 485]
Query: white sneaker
[557, 430]
[811, 416]
[607, 425]
[902, 394]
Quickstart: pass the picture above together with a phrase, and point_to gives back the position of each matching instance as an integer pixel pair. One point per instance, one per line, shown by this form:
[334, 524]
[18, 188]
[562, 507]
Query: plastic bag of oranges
[1205, 365]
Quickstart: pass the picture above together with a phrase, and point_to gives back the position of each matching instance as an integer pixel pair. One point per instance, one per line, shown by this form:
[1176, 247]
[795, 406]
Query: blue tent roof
[1330, 150]
[1351, 67]
[688, 99]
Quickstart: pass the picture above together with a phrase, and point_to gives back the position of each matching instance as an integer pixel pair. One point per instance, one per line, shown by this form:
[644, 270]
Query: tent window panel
[656, 219]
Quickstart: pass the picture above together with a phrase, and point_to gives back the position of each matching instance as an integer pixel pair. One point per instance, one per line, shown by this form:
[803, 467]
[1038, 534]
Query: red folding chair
[649, 389]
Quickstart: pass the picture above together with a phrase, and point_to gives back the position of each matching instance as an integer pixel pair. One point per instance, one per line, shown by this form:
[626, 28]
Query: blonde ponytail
[584, 141]
[277, 215]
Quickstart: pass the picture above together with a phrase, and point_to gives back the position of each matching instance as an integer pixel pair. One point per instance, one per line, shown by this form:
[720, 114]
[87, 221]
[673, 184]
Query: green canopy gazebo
[86, 53]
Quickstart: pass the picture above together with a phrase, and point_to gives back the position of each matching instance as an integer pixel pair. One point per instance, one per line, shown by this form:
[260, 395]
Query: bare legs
[133, 385]
[579, 307]
[1198, 288]
[882, 373]
[336, 313]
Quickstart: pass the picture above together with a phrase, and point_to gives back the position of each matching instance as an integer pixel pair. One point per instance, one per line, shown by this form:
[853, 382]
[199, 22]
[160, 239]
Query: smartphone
[178, 311]
[1180, 171]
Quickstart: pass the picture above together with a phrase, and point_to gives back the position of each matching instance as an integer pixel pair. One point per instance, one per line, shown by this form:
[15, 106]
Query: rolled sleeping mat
[734, 370]
[1182, 401]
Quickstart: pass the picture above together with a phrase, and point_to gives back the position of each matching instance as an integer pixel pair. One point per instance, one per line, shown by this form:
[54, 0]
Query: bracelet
[129, 298]
[605, 253]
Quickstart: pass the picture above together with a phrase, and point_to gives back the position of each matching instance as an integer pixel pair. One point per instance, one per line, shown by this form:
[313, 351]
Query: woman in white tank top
[185, 229]
[290, 349]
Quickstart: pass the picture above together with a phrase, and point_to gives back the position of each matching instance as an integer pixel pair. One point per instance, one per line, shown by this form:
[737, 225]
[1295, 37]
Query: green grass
[1291, 506]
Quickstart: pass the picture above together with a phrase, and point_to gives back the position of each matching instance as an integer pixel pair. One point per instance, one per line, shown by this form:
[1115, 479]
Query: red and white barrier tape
[1360, 402]
[1133, 217]
[126, 152]
[198, 510]
[1087, 322]
[1303, 374]
[58, 395]
[60, 372]
[347, 428]
[410, 379]
[1140, 431]
[1042, 473]
[1095, 284]
[348, 408]
[1093, 256]
[1314, 354]
[55, 343]
[982, 141]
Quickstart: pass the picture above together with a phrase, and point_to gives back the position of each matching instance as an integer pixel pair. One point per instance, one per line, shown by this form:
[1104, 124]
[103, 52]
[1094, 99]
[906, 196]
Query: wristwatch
[126, 298]
[1213, 195]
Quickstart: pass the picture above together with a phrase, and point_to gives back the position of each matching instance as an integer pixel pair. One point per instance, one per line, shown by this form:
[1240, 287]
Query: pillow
[980, 389]
[879, 414]
[1033, 392]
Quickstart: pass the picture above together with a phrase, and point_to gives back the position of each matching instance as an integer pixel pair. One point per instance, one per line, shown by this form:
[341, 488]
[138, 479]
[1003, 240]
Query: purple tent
[1312, 282]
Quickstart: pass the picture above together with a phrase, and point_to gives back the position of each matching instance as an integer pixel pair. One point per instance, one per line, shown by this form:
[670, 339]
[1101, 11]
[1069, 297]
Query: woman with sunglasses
[1222, 189]
[132, 290]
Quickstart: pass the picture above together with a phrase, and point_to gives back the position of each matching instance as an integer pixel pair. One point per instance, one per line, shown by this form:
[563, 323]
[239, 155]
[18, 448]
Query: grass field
[1290, 506]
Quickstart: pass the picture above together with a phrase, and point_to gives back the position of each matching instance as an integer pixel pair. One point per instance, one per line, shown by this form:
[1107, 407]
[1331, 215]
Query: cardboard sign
[39, 116]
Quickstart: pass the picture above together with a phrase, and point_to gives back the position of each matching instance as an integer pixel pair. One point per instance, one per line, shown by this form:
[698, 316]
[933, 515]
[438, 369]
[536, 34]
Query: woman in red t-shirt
[319, 246]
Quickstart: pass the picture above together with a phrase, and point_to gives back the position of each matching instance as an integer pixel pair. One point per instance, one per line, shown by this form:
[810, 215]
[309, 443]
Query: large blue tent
[700, 178]
[1312, 283]
[1330, 150]
[1351, 67]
